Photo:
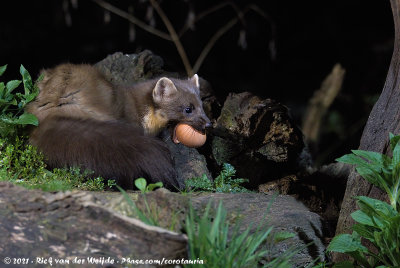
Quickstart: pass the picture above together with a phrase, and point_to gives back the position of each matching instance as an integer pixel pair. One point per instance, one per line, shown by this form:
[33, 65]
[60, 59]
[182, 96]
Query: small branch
[267, 17]
[212, 42]
[215, 38]
[320, 103]
[227, 27]
[132, 19]
[213, 9]
[175, 38]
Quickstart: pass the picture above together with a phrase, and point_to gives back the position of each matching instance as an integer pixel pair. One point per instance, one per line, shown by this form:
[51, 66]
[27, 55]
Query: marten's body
[87, 122]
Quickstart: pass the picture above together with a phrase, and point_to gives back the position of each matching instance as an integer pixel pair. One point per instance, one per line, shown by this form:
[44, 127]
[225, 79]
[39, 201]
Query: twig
[132, 19]
[320, 102]
[267, 17]
[214, 39]
[175, 38]
[208, 11]
[212, 42]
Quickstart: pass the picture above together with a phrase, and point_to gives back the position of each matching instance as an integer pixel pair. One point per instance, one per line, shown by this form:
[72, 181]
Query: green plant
[377, 221]
[22, 164]
[12, 114]
[210, 240]
[151, 214]
[224, 182]
[145, 216]
[141, 184]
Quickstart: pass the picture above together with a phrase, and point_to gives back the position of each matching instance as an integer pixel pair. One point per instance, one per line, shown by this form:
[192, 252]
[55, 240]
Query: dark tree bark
[384, 118]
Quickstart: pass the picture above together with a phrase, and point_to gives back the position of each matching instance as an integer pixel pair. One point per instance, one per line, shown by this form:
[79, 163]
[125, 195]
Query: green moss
[23, 165]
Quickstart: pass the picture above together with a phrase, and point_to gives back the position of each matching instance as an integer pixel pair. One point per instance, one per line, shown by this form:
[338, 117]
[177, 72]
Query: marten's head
[179, 101]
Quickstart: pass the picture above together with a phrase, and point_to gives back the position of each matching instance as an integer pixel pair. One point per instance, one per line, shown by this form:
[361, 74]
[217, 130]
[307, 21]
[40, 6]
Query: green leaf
[3, 69]
[152, 186]
[393, 141]
[281, 236]
[30, 97]
[40, 78]
[380, 207]
[27, 80]
[142, 216]
[11, 85]
[2, 87]
[365, 231]
[28, 119]
[345, 243]
[4, 101]
[350, 159]
[373, 157]
[396, 154]
[360, 217]
[372, 177]
[141, 183]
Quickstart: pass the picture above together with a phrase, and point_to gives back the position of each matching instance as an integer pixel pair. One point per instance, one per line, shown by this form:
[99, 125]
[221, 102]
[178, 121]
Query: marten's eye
[189, 109]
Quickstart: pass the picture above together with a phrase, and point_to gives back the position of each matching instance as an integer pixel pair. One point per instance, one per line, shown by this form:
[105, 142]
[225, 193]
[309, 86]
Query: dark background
[286, 57]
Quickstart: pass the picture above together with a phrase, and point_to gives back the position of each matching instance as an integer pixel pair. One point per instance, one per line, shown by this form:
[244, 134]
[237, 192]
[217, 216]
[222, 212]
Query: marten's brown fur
[87, 122]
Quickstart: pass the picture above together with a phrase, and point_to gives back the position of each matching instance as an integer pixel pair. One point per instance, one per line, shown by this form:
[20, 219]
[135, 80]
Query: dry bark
[258, 137]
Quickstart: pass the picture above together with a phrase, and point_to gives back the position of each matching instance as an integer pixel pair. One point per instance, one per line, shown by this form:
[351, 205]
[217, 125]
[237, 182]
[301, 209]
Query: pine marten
[87, 122]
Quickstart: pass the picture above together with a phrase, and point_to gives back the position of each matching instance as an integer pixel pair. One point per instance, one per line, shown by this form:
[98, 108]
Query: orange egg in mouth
[188, 136]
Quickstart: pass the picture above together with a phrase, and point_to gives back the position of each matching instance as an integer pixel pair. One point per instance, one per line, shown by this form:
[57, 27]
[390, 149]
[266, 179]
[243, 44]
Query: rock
[73, 225]
[126, 69]
[166, 207]
[188, 162]
[285, 214]
[211, 106]
[280, 186]
[123, 69]
[250, 209]
[257, 137]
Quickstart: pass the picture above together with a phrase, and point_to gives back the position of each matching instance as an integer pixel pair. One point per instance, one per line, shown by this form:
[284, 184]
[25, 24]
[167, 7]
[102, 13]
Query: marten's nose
[208, 125]
[206, 122]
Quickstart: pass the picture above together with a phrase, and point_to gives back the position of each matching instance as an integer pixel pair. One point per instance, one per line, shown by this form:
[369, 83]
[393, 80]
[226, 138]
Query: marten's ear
[195, 80]
[164, 89]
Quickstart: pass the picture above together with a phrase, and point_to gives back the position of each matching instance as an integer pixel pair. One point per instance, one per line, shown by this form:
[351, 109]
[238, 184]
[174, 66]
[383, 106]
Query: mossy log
[258, 137]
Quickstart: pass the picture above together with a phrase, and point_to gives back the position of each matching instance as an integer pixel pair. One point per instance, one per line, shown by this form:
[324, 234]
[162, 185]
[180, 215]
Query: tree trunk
[384, 118]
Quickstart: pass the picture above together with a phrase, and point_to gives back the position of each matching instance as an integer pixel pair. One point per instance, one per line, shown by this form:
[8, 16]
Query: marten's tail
[113, 150]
